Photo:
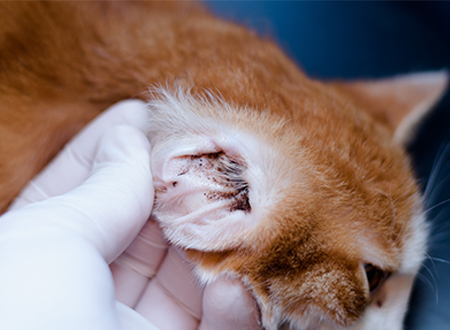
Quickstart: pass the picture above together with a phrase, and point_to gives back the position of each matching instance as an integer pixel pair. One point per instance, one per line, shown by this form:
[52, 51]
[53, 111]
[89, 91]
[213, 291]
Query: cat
[300, 188]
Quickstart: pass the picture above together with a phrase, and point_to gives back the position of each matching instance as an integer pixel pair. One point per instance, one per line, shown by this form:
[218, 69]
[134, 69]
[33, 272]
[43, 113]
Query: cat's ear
[400, 102]
[213, 180]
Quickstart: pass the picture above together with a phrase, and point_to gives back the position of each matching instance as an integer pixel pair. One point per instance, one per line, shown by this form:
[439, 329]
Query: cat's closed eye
[375, 276]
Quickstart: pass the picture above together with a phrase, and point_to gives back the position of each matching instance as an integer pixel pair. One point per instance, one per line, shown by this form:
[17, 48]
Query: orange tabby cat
[300, 188]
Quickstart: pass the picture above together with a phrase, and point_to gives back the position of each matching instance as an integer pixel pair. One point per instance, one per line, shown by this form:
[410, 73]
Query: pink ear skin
[202, 194]
[400, 102]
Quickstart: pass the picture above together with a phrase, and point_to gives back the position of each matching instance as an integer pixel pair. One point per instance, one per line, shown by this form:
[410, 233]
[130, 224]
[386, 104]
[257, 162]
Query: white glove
[55, 251]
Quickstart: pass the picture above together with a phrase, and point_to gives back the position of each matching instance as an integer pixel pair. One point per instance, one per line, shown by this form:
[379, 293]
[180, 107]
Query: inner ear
[400, 102]
[203, 197]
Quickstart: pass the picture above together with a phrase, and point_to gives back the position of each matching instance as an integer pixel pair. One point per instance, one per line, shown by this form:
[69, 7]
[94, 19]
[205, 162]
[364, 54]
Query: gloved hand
[79, 215]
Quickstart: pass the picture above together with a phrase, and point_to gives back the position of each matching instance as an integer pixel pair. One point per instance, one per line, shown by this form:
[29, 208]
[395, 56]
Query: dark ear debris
[232, 171]
[229, 174]
[241, 201]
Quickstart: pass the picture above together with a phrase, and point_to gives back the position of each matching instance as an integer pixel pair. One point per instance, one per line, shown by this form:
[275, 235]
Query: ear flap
[400, 102]
[214, 180]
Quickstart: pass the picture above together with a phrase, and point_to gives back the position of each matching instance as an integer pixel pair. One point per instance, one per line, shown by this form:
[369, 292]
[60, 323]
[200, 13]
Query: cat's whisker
[436, 200]
[439, 260]
[439, 237]
[433, 285]
[441, 231]
[428, 257]
[438, 163]
[401, 232]
[441, 245]
[437, 205]
[438, 214]
[394, 214]
[437, 187]
[429, 284]
[393, 209]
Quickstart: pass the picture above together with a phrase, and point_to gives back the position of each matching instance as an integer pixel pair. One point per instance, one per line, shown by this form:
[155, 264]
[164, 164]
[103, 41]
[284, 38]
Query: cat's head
[317, 210]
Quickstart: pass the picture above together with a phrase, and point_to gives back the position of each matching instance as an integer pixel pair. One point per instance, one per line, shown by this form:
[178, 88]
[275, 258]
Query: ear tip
[445, 77]
[438, 78]
[432, 85]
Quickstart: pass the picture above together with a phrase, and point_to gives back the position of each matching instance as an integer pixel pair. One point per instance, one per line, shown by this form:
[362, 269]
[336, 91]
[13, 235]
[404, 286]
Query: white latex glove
[54, 252]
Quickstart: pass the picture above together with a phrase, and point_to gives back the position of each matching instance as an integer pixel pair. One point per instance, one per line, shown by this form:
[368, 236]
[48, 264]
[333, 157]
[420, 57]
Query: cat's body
[299, 188]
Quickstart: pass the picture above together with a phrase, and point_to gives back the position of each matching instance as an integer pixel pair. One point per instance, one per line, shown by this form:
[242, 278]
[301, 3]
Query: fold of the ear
[400, 102]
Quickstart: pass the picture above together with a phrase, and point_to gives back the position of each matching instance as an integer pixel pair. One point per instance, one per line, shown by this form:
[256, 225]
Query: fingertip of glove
[122, 142]
[130, 112]
[227, 300]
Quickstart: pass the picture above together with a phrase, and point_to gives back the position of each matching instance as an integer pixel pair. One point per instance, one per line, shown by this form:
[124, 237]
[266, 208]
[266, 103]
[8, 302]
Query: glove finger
[176, 289]
[133, 269]
[113, 204]
[130, 320]
[74, 163]
[228, 305]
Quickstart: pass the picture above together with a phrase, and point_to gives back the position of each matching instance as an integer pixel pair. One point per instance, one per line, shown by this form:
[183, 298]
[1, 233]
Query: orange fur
[350, 196]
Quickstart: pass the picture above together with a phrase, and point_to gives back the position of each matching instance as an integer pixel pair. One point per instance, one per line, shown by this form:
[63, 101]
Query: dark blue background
[357, 39]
